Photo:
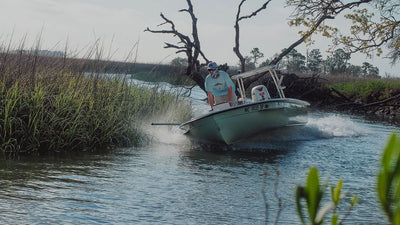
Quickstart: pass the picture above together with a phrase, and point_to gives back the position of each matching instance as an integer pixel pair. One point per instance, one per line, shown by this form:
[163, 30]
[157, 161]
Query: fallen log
[382, 101]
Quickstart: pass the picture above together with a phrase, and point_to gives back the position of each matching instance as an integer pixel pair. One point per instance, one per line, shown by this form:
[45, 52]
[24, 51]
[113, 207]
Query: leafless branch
[237, 30]
[185, 45]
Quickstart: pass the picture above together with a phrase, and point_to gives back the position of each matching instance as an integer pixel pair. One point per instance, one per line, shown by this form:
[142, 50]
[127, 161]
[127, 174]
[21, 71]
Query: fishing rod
[167, 124]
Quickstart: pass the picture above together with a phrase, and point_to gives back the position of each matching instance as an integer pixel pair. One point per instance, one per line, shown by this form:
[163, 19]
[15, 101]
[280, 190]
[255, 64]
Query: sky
[117, 27]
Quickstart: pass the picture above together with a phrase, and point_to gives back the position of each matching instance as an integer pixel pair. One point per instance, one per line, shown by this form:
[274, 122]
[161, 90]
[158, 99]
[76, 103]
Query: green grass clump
[52, 111]
[368, 91]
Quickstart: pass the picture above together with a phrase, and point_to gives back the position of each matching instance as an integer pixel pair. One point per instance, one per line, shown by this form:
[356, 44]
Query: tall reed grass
[50, 105]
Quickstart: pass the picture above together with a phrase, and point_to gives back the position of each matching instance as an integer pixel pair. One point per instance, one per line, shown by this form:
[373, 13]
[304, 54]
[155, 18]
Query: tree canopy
[373, 24]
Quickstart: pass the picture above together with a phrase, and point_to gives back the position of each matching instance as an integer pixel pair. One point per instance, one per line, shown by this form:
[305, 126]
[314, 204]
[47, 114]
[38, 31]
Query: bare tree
[237, 31]
[186, 45]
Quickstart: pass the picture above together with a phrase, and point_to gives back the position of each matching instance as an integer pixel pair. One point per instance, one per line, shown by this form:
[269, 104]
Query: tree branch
[190, 48]
[324, 10]
[236, 49]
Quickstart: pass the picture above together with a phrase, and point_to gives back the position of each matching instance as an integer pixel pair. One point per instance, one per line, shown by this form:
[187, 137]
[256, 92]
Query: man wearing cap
[219, 87]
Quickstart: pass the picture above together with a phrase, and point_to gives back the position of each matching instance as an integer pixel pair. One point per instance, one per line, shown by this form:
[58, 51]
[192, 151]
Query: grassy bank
[45, 108]
[369, 90]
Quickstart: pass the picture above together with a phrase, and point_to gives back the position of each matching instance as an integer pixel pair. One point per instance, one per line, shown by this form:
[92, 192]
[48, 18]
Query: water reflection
[237, 157]
[62, 188]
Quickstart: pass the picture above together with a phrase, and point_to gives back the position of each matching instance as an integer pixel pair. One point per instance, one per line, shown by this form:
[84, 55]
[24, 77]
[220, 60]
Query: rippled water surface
[174, 181]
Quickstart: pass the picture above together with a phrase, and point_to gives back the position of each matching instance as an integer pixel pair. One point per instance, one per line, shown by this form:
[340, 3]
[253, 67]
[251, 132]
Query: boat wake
[331, 126]
[166, 135]
[318, 127]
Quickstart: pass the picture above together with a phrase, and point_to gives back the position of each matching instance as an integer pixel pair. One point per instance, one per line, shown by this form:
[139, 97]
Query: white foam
[322, 126]
[167, 134]
[336, 126]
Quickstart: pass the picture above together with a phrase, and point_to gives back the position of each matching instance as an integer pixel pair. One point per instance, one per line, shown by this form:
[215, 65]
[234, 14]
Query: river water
[175, 181]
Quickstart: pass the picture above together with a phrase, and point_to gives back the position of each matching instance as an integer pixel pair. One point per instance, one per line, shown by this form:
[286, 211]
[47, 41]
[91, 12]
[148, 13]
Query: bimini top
[253, 72]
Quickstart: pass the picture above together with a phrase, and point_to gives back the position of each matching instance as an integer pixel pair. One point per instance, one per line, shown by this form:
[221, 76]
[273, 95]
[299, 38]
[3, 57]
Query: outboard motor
[259, 93]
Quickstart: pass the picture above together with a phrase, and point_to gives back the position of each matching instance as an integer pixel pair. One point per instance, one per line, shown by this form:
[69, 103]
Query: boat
[263, 113]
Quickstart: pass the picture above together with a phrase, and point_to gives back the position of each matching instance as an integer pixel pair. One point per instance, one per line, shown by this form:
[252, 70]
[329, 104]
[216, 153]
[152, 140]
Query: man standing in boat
[219, 87]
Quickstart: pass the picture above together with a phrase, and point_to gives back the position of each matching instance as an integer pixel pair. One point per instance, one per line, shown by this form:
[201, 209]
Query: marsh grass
[369, 91]
[52, 104]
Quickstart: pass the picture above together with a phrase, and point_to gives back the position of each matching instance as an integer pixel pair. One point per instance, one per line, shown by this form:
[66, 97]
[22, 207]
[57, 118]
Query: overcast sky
[119, 25]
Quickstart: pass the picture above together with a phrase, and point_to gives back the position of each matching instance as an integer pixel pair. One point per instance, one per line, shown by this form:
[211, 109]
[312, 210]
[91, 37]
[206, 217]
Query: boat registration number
[256, 107]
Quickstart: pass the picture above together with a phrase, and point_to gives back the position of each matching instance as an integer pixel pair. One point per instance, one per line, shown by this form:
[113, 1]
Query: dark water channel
[172, 181]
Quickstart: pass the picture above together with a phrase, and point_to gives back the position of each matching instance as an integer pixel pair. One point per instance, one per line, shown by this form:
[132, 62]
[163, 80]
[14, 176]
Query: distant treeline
[25, 60]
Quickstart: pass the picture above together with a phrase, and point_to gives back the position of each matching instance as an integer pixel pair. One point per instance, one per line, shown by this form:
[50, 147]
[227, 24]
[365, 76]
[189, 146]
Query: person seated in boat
[219, 87]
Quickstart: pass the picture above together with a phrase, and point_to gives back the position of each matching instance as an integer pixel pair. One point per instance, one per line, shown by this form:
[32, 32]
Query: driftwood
[341, 95]
[384, 101]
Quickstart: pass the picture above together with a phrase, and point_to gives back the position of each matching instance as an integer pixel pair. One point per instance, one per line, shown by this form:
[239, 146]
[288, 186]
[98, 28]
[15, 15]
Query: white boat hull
[237, 123]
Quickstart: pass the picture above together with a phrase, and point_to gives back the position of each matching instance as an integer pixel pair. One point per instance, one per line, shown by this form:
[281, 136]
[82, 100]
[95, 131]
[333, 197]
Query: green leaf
[384, 171]
[382, 187]
[354, 201]
[387, 153]
[336, 193]
[396, 216]
[314, 193]
[388, 182]
[335, 219]
[300, 194]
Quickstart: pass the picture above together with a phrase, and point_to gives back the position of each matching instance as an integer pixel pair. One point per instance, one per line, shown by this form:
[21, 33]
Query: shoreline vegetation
[53, 104]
